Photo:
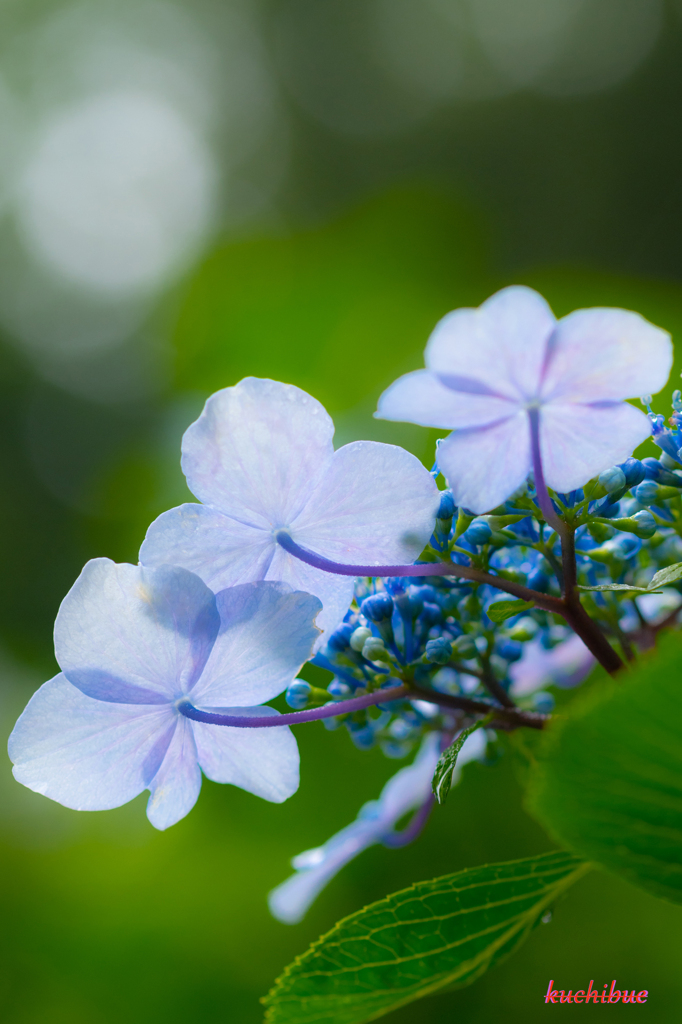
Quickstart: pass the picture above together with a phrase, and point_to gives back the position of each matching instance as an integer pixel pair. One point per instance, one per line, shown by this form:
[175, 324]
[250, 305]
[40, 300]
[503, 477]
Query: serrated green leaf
[608, 780]
[621, 586]
[498, 611]
[435, 935]
[670, 574]
[447, 762]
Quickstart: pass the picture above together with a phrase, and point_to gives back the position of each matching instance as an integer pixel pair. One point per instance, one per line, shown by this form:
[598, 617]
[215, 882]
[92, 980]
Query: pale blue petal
[486, 464]
[220, 550]
[501, 345]
[87, 754]
[578, 442]
[564, 665]
[256, 450]
[264, 762]
[267, 632]
[131, 634]
[421, 397]
[606, 354]
[291, 900]
[335, 592]
[176, 785]
[405, 791]
[358, 514]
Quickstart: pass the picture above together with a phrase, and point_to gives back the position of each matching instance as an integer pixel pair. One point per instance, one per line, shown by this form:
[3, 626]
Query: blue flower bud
[438, 651]
[625, 544]
[510, 650]
[377, 607]
[395, 585]
[646, 492]
[408, 606]
[646, 524]
[538, 580]
[373, 649]
[543, 702]
[446, 509]
[612, 479]
[677, 401]
[340, 638]
[478, 533]
[338, 690]
[634, 471]
[362, 737]
[297, 694]
[395, 750]
[656, 471]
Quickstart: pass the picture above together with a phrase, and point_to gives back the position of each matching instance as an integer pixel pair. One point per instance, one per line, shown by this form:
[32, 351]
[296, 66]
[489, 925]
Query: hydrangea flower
[260, 459]
[564, 665]
[406, 790]
[508, 374]
[132, 643]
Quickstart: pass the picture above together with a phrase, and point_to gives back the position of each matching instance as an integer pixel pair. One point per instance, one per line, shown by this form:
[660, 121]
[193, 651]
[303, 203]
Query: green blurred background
[192, 193]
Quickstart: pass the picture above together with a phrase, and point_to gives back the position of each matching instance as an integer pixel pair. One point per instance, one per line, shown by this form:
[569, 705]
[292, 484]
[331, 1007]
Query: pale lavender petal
[335, 592]
[405, 791]
[422, 398]
[579, 441]
[567, 664]
[176, 785]
[485, 465]
[501, 345]
[87, 754]
[376, 505]
[256, 450]
[220, 550]
[606, 354]
[291, 900]
[130, 634]
[264, 762]
[267, 631]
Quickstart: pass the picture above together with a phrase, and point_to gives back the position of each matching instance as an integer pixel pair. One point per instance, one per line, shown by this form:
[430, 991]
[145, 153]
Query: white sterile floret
[134, 644]
[260, 458]
[491, 370]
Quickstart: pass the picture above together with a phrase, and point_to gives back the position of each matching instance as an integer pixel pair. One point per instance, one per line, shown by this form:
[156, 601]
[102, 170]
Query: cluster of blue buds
[448, 635]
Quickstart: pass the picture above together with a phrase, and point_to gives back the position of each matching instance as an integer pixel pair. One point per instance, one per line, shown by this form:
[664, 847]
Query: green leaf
[447, 762]
[435, 935]
[498, 611]
[621, 586]
[670, 574]
[608, 780]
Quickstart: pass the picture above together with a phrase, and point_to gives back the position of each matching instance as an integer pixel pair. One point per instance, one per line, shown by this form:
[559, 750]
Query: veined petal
[421, 397]
[256, 450]
[579, 441]
[335, 592]
[176, 785]
[220, 550]
[486, 464]
[264, 762]
[500, 346]
[87, 754]
[135, 635]
[375, 504]
[599, 355]
[267, 632]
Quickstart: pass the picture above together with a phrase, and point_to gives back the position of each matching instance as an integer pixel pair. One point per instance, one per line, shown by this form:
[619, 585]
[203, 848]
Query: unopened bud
[358, 637]
[612, 479]
[438, 651]
[373, 649]
[298, 694]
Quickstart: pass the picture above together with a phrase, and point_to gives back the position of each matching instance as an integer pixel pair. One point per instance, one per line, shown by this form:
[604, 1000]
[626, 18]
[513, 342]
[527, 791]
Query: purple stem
[394, 840]
[544, 500]
[343, 707]
[467, 572]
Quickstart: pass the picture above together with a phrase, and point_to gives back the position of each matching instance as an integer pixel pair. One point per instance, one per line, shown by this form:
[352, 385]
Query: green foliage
[498, 611]
[433, 936]
[447, 762]
[608, 783]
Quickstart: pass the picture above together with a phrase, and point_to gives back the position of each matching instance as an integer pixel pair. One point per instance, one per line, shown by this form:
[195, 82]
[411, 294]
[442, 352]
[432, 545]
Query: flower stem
[467, 572]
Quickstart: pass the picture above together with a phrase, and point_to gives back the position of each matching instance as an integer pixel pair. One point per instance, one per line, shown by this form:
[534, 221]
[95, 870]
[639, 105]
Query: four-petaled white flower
[496, 373]
[260, 459]
[133, 643]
